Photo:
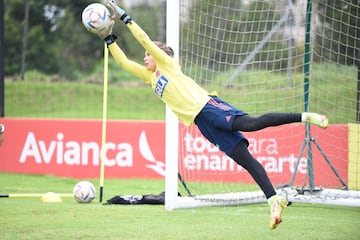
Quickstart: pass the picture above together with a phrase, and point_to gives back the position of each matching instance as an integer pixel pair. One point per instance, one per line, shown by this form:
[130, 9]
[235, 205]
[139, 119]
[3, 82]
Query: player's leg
[243, 157]
[247, 123]
[277, 203]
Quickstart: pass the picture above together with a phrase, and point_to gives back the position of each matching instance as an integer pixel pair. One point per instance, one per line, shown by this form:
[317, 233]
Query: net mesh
[252, 53]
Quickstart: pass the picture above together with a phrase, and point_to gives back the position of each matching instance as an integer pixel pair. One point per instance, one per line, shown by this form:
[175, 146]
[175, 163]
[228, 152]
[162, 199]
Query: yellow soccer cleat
[317, 119]
[277, 205]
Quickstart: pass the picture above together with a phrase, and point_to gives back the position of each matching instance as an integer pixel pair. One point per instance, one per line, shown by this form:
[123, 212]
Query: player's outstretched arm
[140, 35]
[132, 67]
[103, 27]
[119, 12]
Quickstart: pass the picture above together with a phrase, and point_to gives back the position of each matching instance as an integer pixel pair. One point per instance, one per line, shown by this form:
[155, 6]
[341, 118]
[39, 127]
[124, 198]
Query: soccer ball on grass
[96, 17]
[84, 192]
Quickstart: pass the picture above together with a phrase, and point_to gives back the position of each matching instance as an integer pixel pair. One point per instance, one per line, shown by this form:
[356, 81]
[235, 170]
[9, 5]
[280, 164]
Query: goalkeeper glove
[103, 33]
[119, 12]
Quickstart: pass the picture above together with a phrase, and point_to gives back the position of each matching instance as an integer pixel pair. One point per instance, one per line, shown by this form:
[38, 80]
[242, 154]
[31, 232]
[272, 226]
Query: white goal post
[172, 122]
[268, 56]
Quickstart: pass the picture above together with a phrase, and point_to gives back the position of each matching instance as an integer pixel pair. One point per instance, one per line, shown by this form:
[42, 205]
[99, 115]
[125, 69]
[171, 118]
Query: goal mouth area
[268, 66]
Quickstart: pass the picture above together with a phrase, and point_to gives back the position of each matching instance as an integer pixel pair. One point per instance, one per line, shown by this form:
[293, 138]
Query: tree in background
[57, 42]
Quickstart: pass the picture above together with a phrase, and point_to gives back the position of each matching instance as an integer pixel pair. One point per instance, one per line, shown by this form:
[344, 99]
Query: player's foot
[316, 119]
[277, 205]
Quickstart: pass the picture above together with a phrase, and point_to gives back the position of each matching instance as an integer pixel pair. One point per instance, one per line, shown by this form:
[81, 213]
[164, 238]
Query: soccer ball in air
[84, 192]
[96, 17]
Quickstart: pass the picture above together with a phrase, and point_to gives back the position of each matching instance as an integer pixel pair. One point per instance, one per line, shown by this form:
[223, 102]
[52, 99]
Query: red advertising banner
[72, 148]
[278, 150]
[135, 149]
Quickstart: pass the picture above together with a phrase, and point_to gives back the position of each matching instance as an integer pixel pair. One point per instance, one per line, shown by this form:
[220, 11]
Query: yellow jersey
[179, 92]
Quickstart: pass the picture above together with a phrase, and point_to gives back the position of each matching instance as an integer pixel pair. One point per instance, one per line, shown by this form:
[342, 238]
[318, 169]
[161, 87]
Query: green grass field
[29, 218]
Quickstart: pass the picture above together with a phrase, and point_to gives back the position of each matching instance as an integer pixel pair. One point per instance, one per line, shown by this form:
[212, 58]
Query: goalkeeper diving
[217, 120]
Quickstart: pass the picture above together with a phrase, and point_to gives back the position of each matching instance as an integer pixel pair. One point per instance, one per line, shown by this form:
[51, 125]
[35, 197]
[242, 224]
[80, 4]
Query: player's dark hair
[169, 51]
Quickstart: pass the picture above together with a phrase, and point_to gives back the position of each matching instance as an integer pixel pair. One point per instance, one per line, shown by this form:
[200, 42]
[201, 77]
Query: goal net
[269, 56]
